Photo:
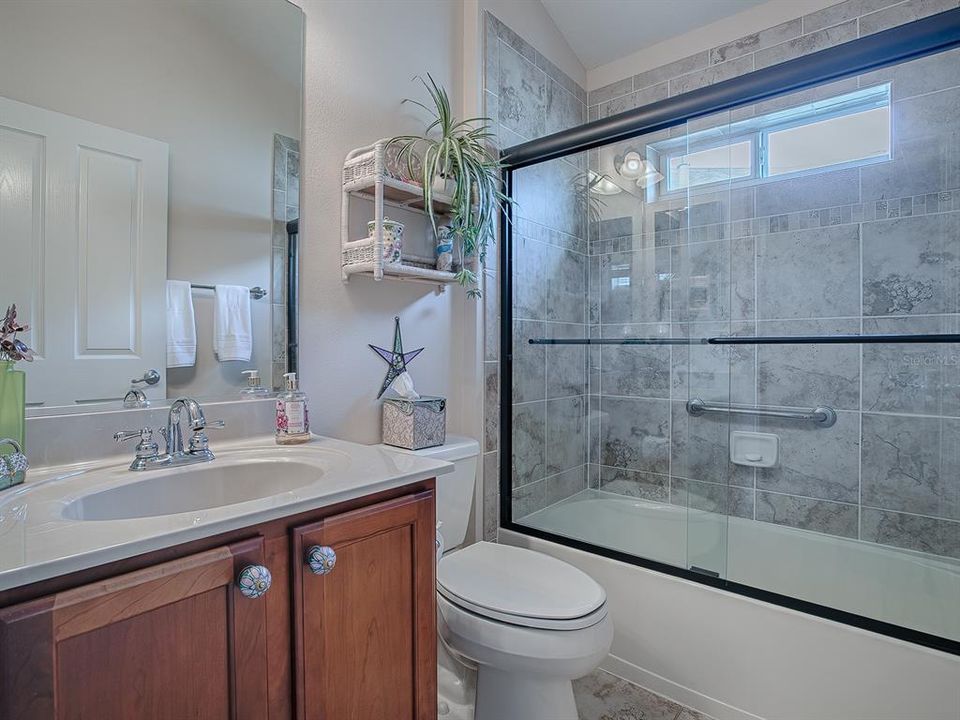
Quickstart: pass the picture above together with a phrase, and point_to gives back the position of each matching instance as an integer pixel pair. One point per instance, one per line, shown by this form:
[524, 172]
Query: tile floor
[602, 696]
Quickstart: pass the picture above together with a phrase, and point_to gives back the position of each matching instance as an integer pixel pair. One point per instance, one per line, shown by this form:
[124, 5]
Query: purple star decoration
[396, 360]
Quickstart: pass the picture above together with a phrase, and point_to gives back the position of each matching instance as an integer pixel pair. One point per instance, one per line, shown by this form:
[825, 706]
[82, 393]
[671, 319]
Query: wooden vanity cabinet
[171, 635]
[365, 633]
[176, 640]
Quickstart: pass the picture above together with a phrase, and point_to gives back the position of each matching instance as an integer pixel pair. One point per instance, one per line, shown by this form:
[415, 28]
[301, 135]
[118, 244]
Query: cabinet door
[170, 642]
[365, 632]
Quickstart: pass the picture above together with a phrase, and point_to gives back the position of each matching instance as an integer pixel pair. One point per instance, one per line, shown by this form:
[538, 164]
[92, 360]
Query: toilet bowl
[528, 622]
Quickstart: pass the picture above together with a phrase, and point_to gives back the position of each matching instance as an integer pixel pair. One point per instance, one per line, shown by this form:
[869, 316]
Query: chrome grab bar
[823, 416]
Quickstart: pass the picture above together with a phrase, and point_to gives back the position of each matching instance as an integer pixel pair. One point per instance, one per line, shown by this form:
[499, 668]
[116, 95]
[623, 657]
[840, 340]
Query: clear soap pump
[253, 389]
[293, 418]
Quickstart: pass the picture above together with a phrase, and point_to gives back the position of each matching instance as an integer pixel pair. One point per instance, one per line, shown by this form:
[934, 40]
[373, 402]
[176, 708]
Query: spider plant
[589, 205]
[465, 152]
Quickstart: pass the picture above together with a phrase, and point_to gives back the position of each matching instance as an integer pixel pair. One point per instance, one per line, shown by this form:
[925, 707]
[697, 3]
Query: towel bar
[256, 292]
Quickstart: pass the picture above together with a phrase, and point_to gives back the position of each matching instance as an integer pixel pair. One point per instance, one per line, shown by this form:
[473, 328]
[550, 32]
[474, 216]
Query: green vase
[13, 404]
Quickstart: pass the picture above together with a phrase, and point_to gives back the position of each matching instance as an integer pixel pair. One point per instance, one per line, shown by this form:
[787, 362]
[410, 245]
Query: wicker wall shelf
[398, 193]
[402, 271]
[368, 174]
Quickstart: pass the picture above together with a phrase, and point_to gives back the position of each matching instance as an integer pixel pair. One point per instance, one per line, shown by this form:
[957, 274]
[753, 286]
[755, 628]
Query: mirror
[143, 142]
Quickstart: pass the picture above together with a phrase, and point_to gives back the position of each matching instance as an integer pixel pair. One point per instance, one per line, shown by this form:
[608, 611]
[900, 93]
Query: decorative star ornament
[396, 360]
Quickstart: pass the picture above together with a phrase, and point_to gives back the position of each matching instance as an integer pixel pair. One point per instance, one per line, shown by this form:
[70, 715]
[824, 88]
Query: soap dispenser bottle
[293, 420]
[253, 389]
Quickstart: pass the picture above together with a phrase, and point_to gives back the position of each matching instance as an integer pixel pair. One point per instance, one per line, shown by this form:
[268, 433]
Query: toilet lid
[515, 583]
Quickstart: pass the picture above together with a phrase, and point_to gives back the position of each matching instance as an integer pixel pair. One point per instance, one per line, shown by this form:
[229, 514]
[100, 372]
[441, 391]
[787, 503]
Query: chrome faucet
[198, 449]
[174, 432]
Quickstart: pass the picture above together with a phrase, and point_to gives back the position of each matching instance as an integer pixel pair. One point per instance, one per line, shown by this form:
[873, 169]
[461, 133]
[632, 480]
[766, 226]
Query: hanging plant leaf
[465, 152]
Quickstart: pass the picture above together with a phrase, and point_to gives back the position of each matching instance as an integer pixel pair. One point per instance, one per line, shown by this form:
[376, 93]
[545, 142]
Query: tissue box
[415, 424]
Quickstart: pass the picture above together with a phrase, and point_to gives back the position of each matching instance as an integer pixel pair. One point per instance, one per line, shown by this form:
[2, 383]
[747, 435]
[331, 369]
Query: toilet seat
[520, 587]
[524, 621]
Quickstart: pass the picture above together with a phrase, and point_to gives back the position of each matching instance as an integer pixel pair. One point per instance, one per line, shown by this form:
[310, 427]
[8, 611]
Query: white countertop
[38, 542]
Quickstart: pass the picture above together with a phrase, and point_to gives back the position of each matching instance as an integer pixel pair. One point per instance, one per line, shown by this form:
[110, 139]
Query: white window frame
[758, 137]
[684, 150]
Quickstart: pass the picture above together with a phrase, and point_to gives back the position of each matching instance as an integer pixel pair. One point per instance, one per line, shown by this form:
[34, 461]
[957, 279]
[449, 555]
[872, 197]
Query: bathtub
[902, 587]
[733, 657]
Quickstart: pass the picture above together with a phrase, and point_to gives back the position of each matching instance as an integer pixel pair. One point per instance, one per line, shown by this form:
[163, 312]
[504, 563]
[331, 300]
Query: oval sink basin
[192, 488]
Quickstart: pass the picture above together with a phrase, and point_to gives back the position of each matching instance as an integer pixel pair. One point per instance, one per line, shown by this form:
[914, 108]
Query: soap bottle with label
[293, 420]
[253, 389]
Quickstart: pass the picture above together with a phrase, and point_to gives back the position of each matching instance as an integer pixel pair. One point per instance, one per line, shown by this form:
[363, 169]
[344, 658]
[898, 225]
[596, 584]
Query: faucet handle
[123, 435]
[199, 443]
[146, 448]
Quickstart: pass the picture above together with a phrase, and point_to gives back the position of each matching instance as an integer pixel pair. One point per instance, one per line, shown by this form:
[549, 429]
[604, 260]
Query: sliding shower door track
[900, 632]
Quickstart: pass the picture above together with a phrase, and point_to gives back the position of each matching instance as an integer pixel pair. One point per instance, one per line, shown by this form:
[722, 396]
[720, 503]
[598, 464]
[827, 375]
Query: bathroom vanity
[317, 602]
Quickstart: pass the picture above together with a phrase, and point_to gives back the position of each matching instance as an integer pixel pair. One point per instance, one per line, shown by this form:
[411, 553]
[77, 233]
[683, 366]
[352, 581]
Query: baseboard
[674, 691]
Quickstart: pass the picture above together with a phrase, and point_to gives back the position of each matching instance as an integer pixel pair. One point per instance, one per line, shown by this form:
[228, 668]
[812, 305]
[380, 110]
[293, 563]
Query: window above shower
[846, 130]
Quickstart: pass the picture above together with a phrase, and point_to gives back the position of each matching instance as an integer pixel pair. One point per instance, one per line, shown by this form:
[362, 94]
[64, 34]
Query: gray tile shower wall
[871, 250]
[715, 265]
[527, 97]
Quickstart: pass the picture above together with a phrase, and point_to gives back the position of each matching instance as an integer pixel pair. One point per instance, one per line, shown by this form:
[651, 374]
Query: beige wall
[360, 60]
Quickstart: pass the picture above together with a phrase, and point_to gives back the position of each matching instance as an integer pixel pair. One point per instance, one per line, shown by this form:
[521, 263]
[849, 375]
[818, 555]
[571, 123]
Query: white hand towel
[232, 325]
[181, 328]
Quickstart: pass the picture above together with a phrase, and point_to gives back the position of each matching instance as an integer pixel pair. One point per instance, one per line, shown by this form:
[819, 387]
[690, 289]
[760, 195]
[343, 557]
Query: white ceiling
[600, 31]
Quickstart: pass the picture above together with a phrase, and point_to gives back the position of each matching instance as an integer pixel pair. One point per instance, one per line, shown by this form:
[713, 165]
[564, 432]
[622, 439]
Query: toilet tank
[454, 490]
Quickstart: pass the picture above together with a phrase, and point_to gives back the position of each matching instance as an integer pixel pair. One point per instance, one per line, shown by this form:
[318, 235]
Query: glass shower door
[735, 349]
[693, 207]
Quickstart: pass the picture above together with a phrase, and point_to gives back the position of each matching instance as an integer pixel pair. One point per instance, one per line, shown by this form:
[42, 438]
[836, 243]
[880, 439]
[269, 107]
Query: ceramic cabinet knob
[254, 581]
[321, 559]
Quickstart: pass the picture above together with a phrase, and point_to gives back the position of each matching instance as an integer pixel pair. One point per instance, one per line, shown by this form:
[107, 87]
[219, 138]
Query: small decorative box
[415, 424]
[13, 467]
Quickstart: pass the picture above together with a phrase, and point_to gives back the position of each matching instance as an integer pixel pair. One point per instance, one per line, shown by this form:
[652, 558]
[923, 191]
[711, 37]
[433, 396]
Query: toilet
[529, 622]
